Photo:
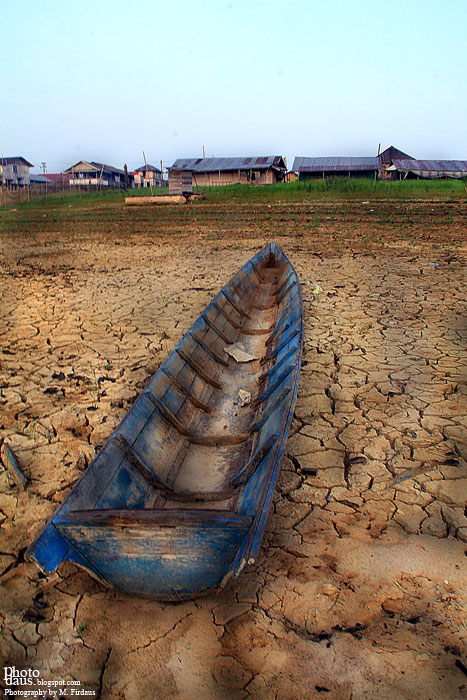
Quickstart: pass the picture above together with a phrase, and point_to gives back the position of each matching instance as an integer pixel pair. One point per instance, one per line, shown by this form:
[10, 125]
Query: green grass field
[341, 189]
[331, 189]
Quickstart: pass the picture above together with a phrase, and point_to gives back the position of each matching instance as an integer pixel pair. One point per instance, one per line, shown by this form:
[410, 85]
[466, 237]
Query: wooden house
[389, 154]
[147, 176]
[260, 170]
[14, 172]
[95, 175]
[387, 158]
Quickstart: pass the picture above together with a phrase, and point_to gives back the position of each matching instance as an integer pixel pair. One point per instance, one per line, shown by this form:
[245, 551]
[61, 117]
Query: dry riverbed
[360, 590]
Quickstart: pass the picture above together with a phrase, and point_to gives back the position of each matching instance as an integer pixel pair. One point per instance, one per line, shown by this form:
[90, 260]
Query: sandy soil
[360, 589]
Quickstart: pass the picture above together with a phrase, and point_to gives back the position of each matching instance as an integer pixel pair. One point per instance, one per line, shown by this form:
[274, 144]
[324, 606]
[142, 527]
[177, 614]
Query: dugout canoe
[176, 501]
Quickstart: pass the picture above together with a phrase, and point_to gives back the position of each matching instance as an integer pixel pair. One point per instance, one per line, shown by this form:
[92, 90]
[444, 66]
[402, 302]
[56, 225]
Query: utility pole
[44, 170]
[145, 163]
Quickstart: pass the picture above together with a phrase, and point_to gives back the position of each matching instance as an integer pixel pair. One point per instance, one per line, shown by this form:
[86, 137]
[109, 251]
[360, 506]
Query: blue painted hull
[177, 500]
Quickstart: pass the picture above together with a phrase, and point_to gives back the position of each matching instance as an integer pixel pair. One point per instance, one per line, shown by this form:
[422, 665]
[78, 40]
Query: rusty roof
[205, 165]
[446, 166]
[336, 164]
[94, 165]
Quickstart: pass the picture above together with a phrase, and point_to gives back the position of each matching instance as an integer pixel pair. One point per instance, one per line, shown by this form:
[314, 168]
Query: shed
[389, 154]
[430, 168]
[387, 158]
[180, 182]
[262, 170]
[336, 166]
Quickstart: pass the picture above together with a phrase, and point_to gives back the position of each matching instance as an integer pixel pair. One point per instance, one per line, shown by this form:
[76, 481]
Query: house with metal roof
[59, 178]
[387, 156]
[93, 174]
[336, 166]
[260, 170]
[407, 168]
[14, 172]
[40, 180]
[343, 166]
[147, 176]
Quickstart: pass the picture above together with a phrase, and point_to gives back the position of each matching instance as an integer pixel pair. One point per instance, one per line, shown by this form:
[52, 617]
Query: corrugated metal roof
[59, 177]
[40, 179]
[16, 160]
[334, 164]
[94, 165]
[206, 165]
[446, 166]
[107, 168]
[147, 168]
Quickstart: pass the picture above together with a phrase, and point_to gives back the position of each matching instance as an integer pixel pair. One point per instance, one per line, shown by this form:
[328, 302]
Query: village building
[338, 166]
[386, 158]
[147, 176]
[95, 175]
[429, 169]
[180, 182]
[260, 170]
[374, 167]
[62, 179]
[14, 172]
[40, 180]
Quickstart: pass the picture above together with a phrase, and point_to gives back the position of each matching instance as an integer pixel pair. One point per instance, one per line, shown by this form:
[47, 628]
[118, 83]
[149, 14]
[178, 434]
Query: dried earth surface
[360, 588]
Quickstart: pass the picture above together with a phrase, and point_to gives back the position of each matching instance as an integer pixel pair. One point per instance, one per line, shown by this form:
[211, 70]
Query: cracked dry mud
[360, 588]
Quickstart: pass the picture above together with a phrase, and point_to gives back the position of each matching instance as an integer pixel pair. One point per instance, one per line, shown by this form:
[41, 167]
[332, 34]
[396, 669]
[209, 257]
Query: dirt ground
[360, 589]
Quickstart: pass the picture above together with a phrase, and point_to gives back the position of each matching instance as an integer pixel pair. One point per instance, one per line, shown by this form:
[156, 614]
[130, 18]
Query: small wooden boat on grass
[176, 501]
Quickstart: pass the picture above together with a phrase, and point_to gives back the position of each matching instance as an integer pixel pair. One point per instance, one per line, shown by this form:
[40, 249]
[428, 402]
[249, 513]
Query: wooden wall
[230, 177]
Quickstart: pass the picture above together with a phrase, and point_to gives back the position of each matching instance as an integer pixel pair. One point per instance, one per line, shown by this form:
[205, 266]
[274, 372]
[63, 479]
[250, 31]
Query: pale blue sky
[105, 80]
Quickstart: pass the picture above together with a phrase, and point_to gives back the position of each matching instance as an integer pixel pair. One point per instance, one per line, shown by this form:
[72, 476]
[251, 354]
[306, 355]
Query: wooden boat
[176, 501]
